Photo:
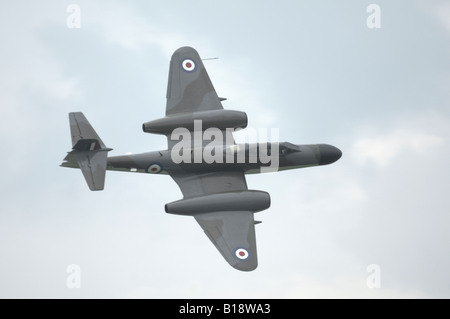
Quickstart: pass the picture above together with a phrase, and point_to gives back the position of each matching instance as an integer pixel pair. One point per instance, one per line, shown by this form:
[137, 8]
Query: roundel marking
[188, 65]
[154, 168]
[241, 253]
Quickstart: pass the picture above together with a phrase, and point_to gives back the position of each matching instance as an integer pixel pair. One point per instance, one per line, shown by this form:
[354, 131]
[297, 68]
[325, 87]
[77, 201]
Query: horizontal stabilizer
[93, 167]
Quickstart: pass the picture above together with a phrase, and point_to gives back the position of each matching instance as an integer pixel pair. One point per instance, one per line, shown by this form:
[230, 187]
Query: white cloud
[32, 80]
[384, 149]
[305, 286]
[442, 11]
[122, 25]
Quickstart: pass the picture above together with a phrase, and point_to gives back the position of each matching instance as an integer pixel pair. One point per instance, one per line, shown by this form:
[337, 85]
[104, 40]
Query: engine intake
[254, 201]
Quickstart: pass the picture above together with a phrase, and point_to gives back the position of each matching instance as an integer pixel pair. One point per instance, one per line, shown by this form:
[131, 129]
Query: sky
[372, 225]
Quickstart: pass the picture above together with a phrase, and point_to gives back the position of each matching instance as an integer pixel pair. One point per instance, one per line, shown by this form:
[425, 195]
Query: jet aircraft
[214, 191]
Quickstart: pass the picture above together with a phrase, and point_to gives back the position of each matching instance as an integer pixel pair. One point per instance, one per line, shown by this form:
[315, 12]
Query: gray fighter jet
[202, 158]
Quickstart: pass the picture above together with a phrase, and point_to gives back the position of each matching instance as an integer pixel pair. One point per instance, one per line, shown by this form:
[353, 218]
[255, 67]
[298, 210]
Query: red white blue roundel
[241, 253]
[154, 168]
[188, 65]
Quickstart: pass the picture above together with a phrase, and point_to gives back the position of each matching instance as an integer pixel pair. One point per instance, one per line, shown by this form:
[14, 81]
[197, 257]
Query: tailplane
[89, 153]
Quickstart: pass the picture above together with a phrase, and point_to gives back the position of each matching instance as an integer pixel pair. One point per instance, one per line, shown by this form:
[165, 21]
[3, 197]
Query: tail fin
[88, 151]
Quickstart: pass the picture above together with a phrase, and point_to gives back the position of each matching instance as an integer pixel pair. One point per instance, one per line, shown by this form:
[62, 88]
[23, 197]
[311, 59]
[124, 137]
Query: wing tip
[245, 266]
[184, 50]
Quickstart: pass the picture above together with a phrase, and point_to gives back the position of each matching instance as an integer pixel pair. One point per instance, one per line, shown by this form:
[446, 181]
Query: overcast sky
[313, 69]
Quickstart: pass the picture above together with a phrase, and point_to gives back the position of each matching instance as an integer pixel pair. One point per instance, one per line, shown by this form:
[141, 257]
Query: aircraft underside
[202, 158]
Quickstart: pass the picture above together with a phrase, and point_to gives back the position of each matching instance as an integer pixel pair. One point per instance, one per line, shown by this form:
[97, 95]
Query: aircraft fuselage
[249, 158]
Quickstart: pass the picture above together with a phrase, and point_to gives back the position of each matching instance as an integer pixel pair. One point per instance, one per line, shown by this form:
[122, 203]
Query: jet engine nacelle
[254, 201]
[221, 119]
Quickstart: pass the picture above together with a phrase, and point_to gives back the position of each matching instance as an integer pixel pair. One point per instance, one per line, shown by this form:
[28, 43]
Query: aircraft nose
[328, 154]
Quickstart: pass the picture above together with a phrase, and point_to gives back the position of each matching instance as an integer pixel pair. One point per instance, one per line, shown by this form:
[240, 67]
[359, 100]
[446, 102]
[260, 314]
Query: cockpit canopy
[288, 148]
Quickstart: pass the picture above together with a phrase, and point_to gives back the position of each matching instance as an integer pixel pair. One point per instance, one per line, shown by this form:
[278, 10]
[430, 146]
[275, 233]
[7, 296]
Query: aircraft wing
[189, 87]
[233, 234]
[231, 231]
[219, 201]
[192, 185]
